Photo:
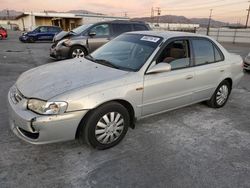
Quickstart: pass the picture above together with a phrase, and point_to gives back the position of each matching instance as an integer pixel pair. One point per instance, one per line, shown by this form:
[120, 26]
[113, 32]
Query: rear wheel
[106, 126]
[220, 95]
[1, 37]
[77, 52]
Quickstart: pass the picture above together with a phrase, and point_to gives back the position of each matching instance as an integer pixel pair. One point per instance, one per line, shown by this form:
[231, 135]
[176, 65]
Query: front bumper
[23, 38]
[246, 65]
[59, 52]
[42, 129]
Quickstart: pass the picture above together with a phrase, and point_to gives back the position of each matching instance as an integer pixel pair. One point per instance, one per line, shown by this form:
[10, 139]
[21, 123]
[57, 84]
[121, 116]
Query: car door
[98, 35]
[209, 69]
[51, 32]
[42, 33]
[168, 90]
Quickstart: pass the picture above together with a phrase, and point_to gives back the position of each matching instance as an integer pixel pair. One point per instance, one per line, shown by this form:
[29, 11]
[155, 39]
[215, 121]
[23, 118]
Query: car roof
[123, 22]
[49, 26]
[168, 34]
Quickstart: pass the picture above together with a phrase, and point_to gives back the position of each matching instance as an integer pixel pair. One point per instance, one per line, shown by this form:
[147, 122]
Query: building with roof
[67, 21]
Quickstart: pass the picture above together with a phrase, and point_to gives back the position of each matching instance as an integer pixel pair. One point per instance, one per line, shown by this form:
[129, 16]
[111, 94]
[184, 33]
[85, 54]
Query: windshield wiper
[89, 57]
[106, 62]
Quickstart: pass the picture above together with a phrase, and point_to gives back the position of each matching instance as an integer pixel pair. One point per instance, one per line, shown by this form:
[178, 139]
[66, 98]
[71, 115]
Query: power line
[204, 7]
[182, 5]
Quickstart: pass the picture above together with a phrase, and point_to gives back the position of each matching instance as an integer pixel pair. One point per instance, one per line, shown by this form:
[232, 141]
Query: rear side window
[121, 28]
[139, 27]
[205, 52]
[217, 54]
[54, 29]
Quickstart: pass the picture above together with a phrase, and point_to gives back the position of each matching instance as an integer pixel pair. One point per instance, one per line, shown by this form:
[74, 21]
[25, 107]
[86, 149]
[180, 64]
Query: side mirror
[92, 33]
[160, 67]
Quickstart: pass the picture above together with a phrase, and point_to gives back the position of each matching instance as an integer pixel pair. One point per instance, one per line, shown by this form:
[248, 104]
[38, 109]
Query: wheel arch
[123, 102]
[229, 80]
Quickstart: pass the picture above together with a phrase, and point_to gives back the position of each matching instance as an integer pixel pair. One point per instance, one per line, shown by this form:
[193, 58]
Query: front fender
[90, 98]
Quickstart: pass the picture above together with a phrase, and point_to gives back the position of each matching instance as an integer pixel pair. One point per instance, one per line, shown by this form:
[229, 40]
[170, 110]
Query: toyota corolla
[96, 99]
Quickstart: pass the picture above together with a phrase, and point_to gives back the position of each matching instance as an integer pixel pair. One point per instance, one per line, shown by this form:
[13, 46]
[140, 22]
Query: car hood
[53, 79]
[61, 35]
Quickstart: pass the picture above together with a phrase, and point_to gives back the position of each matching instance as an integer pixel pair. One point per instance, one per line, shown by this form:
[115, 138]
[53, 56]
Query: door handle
[222, 70]
[189, 77]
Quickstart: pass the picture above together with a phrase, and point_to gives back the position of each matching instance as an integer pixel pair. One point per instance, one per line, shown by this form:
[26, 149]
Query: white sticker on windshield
[150, 39]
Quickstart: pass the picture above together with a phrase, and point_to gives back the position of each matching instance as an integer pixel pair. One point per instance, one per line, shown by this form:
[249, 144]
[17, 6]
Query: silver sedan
[97, 98]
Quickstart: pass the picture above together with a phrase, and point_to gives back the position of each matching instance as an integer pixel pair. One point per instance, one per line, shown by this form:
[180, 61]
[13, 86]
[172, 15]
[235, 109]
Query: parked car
[246, 65]
[41, 33]
[3, 33]
[97, 98]
[87, 38]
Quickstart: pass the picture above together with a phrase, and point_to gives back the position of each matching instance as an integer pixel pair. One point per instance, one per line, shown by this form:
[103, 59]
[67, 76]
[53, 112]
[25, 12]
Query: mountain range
[163, 19]
[182, 19]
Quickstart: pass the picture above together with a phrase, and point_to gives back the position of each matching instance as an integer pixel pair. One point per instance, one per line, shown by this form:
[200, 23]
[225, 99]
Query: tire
[105, 126]
[1, 37]
[30, 40]
[247, 71]
[221, 95]
[77, 52]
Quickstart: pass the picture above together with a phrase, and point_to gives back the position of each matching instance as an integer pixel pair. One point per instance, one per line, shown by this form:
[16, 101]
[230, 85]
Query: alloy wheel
[77, 53]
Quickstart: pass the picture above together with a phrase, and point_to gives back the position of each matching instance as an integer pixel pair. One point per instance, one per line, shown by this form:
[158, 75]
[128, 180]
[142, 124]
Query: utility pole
[8, 18]
[209, 21]
[152, 14]
[248, 12]
[158, 10]
[125, 14]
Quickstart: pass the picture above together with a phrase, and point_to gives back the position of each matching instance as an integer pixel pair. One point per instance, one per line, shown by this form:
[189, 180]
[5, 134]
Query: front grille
[16, 96]
[29, 134]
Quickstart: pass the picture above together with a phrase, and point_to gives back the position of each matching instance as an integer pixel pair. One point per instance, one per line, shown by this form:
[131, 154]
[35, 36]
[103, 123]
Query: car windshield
[126, 52]
[80, 29]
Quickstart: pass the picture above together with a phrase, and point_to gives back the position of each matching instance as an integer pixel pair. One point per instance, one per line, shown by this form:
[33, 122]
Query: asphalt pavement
[196, 146]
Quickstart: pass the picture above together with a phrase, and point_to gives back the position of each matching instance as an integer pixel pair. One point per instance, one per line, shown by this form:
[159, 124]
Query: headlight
[46, 108]
[65, 42]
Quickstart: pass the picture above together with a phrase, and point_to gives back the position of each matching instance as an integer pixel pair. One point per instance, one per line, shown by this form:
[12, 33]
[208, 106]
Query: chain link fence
[227, 35]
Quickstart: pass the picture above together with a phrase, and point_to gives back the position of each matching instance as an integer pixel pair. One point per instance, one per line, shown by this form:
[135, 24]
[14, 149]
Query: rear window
[121, 28]
[139, 27]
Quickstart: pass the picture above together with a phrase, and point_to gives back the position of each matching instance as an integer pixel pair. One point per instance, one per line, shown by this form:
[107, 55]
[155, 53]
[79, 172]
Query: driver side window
[100, 30]
[43, 29]
[177, 54]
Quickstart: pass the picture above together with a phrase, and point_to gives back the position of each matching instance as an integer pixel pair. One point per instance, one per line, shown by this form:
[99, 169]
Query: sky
[232, 11]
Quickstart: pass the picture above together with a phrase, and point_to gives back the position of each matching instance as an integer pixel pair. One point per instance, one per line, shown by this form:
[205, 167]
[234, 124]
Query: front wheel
[1, 37]
[106, 126]
[31, 40]
[220, 95]
[77, 52]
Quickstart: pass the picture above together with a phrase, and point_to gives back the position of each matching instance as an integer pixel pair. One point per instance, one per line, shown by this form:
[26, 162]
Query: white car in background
[97, 98]
[247, 62]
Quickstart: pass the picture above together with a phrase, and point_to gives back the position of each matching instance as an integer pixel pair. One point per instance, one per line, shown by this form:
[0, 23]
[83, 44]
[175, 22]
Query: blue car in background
[41, 33]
